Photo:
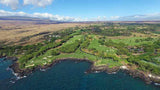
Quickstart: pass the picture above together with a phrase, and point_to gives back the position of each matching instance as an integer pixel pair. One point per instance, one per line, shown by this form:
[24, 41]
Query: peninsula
[132, 47]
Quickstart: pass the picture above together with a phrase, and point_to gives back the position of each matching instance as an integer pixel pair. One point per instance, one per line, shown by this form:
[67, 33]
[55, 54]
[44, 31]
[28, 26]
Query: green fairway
[95, 44]
[132, 41]
[111, 45]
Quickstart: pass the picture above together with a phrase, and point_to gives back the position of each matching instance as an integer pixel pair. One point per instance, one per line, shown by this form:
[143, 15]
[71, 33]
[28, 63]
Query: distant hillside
[47, 21]
[23, 18]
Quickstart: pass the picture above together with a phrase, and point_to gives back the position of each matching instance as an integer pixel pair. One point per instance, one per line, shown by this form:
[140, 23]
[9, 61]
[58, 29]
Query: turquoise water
[69, 75]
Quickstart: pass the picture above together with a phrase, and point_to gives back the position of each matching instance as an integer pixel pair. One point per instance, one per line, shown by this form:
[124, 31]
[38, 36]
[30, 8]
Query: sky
[83, 10]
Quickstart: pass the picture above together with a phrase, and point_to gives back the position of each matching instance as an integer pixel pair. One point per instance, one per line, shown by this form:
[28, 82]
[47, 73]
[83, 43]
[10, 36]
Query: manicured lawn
[95, 44]
[131, 41]
[48, 58]
[72, 40]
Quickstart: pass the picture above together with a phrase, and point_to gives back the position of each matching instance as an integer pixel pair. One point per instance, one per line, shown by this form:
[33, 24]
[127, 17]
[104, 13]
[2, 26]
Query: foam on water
[69, 75]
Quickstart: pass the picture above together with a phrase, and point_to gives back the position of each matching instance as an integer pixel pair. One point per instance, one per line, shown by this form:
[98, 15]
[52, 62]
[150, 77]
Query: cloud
[54, 17]
[7, 13]
[12, 3]
[15, 3]
[40, 3]
[146, 17]
[41, 15]
[114, 17]
[51, 16]
[101, 18]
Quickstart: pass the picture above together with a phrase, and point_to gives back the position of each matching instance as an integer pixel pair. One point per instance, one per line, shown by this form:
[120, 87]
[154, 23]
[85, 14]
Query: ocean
[70, 75]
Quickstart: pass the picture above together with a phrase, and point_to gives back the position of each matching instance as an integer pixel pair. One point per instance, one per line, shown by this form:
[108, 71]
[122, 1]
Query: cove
[69, 75]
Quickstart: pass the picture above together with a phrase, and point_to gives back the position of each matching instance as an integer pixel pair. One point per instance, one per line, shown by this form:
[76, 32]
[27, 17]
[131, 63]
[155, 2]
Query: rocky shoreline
[9, 58]
[134, 73]
[2, 56]
[148, 78]
[25, 72]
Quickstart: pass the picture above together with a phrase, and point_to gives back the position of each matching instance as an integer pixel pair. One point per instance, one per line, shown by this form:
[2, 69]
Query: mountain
[33, 19]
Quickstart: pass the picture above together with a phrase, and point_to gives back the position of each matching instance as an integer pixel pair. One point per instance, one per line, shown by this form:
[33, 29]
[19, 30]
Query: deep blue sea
[69, 75]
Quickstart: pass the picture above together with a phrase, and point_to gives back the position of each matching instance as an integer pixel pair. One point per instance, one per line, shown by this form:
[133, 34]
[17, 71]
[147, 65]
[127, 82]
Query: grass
[95, 44]
[72, 40]
[14, 31]
[101, 55]
[48, 58]
[107, 62]
[156, 65]
[131, 41]
[158, 58]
